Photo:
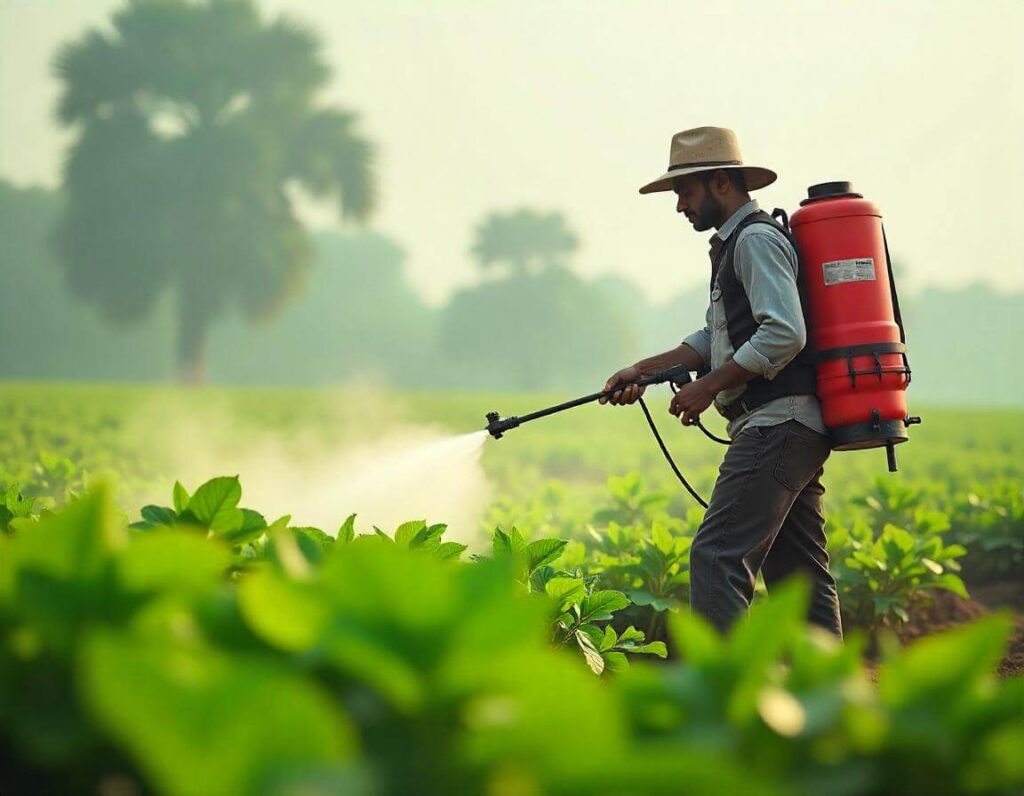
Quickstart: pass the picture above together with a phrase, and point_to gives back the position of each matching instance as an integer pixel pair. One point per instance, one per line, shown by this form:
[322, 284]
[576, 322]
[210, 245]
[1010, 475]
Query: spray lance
[676, 376]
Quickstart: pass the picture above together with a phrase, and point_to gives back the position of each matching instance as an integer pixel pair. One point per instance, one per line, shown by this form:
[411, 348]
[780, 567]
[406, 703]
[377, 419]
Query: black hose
[668, 456]
[700, 425]
[711, 436]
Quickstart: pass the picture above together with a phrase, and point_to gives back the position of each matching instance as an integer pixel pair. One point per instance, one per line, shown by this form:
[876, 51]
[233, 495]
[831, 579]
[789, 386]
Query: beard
[709, 214]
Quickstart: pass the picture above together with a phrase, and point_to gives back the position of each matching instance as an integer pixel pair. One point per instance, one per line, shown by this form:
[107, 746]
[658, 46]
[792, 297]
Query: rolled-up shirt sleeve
[700, 340]
[768, 270]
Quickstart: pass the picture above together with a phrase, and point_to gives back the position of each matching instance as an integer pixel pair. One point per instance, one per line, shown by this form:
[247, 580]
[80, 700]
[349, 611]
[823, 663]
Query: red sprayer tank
[856, 329]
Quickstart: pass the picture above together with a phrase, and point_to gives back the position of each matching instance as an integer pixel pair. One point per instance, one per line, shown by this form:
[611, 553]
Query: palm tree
[523, 239]
[196, 123]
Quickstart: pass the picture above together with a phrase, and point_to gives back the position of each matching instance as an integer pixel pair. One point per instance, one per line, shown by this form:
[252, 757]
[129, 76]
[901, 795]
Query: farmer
[765, 512]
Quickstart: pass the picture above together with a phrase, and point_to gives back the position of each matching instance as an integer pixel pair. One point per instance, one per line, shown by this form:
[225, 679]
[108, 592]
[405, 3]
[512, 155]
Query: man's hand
[691, 400]
[628, 394]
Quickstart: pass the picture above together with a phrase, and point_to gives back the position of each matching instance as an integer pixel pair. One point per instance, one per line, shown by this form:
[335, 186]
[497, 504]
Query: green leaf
[544, 551]
[449, 550]
[312, 543]
[428, 537]
[609, 640]
[500, 543]
[71, 545]
[285, 613]
[405, 532]
[541, 576]
[253, 525]
[698, 640]
[566, 591]
[925, 675]
[602, 604]
[347, 531]
[653, 648]
[953, 583]
[516, 542]
[615, 662]
[631, 634]
[289, 554]
[169, 705]
[172, 561]
[215, 504]
[663, 539]
[643, 597]
[181, 498]
[159, 515]
[590, 653]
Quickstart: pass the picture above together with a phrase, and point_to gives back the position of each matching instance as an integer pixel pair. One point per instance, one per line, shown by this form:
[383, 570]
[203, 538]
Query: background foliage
[356, 315]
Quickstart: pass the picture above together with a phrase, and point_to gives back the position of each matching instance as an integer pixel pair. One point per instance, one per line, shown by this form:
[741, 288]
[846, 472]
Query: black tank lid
[830, 190]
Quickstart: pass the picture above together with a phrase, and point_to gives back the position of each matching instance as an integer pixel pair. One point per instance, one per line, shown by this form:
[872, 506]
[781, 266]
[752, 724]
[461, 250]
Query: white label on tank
[860, 269]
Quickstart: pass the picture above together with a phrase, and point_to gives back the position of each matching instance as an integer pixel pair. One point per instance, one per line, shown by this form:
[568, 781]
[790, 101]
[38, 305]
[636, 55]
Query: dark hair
[736, 177]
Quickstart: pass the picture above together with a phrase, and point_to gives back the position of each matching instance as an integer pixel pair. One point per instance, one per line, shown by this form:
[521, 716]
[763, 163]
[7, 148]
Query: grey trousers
[765, 514]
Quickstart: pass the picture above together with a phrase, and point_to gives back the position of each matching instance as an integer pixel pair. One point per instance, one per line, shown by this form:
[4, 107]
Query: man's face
[696, 200]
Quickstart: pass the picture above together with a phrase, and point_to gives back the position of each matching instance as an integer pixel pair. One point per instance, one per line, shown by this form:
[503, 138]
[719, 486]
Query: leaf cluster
[144, 657]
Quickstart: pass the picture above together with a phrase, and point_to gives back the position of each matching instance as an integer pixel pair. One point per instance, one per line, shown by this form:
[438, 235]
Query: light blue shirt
[767, 266]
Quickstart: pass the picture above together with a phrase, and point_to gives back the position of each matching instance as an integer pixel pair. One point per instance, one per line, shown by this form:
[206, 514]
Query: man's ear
[720, 182]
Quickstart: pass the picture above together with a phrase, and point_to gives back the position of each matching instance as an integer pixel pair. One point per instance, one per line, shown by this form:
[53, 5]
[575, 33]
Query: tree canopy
[523, 240]
[196, 122]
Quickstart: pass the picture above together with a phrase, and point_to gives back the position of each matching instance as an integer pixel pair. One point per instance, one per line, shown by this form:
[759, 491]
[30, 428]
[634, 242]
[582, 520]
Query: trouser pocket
[802, 453]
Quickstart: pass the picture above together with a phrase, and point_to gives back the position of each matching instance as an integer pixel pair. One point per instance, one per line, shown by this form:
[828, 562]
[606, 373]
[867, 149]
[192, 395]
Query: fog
[570, 106]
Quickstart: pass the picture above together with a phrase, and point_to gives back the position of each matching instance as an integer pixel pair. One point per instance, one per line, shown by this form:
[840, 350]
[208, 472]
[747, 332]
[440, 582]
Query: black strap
[782, 217]
[708, 163]
[892, 289]
[864, 349]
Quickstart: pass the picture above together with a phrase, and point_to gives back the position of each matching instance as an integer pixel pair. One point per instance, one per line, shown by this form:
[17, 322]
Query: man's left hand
[690, 401]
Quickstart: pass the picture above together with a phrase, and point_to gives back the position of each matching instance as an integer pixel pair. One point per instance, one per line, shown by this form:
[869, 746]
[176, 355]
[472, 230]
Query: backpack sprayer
[856, 329]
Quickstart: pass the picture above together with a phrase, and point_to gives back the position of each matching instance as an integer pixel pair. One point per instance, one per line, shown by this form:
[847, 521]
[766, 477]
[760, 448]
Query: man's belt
[735, 409]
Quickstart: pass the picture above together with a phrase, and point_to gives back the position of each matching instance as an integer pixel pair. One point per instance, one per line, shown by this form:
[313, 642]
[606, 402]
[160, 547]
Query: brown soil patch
[947, 611]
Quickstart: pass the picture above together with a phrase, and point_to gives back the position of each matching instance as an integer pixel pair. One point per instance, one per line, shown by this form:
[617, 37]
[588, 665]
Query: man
[765, 512]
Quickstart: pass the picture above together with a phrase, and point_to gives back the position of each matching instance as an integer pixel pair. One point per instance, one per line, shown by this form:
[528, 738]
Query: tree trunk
[191, 346]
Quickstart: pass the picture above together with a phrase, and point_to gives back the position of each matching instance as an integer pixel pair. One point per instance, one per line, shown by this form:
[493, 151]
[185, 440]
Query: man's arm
[683, 354]
[680, 355]
[695, 397]
[767, 267]
[694, 352]
[768, 271]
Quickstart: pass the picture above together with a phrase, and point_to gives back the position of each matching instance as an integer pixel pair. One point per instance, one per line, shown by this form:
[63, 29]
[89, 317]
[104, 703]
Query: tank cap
[830, 190]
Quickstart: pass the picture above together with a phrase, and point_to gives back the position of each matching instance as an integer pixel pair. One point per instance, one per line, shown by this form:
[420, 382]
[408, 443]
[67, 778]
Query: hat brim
[755, 176]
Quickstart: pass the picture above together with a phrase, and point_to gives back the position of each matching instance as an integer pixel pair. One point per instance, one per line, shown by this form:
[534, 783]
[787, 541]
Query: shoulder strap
[892, 289]
[780, 221]
[727, 248]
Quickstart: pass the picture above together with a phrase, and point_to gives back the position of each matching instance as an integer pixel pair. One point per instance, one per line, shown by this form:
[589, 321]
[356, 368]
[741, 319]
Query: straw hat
[707, 149]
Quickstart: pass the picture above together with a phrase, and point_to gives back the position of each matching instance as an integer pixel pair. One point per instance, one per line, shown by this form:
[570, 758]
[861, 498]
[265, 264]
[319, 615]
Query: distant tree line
[173, 249]
[531, 323]
[538, 326]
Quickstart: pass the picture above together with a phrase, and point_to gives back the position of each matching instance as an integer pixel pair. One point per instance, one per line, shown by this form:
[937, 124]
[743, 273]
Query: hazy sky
[570, 105]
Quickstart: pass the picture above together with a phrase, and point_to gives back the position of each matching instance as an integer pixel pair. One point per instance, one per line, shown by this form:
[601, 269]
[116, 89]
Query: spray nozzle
[496, 426]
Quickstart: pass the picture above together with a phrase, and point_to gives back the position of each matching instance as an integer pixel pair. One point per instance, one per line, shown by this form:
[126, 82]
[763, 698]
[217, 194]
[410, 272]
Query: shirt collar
[734, 220]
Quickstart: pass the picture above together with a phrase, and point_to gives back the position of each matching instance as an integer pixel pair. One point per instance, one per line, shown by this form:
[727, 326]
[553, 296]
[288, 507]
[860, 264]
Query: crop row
[204, 650]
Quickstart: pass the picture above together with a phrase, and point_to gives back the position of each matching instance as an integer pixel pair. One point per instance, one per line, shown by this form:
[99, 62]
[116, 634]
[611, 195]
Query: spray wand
[677, 375]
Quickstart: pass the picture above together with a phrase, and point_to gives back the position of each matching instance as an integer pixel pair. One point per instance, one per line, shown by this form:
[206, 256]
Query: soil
[948, 611]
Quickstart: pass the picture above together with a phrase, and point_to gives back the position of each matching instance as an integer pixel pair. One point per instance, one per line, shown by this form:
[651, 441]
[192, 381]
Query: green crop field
[157, 560]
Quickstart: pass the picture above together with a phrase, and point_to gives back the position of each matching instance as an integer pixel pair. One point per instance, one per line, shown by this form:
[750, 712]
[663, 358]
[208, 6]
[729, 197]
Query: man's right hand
[628, 394]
